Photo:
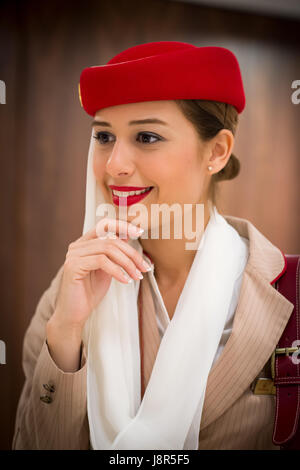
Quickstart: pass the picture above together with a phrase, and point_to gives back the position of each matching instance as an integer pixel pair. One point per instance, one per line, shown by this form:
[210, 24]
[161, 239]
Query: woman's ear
[221, 149]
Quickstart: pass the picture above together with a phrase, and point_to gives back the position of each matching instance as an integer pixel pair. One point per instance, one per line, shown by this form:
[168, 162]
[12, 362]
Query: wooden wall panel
[45, 135]
[11, 246]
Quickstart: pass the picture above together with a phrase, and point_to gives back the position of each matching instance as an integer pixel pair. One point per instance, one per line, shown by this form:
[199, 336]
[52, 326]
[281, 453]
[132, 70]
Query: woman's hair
[208, 118]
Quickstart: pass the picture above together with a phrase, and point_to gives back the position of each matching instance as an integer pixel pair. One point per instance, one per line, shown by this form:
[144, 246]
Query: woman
[171, 359]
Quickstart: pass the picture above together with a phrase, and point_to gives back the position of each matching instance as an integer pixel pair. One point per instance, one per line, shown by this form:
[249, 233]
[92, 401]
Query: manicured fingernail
[127, 278]
[139, 274]
[137, 229]
[147, 266]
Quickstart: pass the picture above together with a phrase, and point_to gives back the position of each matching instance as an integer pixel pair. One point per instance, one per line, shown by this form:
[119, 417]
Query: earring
[210, 168]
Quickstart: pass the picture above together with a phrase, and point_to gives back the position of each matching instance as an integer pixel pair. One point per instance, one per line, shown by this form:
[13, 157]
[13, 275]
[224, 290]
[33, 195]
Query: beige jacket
[233, 416]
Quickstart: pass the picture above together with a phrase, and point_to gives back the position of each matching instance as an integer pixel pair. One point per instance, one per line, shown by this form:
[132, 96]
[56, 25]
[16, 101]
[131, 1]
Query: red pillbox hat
[163, 70]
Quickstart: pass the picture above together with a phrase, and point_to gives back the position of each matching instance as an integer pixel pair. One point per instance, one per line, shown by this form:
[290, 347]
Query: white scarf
[169, 416]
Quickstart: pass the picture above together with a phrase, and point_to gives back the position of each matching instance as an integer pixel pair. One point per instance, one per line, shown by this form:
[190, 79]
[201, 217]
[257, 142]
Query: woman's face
[167, 155]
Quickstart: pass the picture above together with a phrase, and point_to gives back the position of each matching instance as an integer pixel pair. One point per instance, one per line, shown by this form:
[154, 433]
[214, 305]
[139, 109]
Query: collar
[260, 318]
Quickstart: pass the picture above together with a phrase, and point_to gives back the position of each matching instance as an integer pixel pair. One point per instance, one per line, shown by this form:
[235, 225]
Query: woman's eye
[98, 136]
[148, 136]
[102, 138]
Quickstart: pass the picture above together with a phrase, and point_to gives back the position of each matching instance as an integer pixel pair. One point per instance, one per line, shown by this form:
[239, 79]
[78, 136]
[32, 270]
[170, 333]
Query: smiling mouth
[130, 193]
[128, 198]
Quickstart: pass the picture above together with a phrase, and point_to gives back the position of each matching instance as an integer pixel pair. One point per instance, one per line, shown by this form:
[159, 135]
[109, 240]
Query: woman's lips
[129, 200]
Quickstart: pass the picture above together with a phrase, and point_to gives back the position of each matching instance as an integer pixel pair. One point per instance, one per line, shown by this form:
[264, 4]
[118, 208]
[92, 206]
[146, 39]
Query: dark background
[44, 134]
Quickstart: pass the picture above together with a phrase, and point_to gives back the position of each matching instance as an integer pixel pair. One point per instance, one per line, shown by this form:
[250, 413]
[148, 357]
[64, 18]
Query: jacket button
[46, 399]
[49, 388]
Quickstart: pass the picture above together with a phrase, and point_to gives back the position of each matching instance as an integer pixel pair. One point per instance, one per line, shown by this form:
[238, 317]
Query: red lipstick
[128, 188]
[132, 199]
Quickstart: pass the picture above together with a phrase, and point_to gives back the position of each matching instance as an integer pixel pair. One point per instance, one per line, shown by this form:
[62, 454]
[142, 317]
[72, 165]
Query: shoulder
[264, 256]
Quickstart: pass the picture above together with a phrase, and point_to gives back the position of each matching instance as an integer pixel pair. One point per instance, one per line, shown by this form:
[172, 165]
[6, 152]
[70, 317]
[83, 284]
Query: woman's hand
[90, 264]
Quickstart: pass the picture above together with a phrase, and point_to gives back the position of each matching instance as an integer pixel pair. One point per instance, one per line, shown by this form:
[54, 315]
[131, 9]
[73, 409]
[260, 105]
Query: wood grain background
[44, 135]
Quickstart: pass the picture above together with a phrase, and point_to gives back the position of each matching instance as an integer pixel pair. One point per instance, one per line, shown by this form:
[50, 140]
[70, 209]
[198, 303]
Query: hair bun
[230, 170]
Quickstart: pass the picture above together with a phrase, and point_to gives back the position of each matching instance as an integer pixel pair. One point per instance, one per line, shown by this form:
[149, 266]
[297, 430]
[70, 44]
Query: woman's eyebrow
[131, 123]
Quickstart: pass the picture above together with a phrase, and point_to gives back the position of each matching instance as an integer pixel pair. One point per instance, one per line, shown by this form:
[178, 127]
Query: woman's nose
[120, 160]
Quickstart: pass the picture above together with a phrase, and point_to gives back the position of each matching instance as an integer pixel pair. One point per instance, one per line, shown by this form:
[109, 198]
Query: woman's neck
[172, 261]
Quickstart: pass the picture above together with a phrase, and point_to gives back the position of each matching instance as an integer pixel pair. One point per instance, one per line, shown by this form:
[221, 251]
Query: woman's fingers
[131, 262]
[82, 266]
[114, 226]
[125, 252]
[101, 248]
[91, 263]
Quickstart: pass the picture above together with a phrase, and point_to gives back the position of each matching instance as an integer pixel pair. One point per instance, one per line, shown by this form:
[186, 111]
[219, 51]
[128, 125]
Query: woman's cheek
[98, 167]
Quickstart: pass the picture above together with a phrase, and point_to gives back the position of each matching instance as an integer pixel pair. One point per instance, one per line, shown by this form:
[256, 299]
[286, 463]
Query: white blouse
[163, 318]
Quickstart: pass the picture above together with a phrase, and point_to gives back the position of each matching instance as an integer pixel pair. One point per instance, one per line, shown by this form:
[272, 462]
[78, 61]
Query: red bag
[286, 364]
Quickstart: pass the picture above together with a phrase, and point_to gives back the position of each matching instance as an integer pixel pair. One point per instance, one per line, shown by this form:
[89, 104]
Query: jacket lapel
[261, 315]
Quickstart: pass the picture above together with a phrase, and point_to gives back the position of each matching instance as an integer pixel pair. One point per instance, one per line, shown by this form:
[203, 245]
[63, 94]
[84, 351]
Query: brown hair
[209, 117]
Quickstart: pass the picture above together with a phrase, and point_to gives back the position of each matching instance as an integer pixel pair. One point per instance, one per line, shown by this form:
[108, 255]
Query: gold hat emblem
[79, 95]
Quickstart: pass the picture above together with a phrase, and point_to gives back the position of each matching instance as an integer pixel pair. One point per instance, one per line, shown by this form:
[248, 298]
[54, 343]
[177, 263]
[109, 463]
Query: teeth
[128, 193]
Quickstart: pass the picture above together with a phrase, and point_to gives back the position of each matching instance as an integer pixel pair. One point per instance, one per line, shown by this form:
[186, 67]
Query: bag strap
[285, 364]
